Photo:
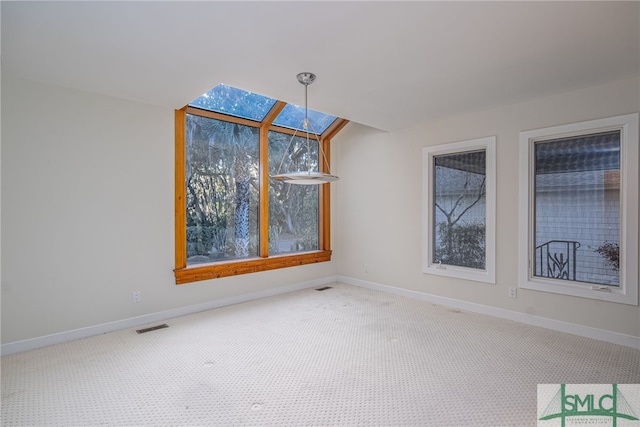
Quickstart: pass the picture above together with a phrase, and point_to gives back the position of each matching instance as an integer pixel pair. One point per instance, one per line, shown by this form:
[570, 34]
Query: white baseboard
[543, 322]
[61, 337]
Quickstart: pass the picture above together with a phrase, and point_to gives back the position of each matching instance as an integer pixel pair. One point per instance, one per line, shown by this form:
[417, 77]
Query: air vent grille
[152, 328]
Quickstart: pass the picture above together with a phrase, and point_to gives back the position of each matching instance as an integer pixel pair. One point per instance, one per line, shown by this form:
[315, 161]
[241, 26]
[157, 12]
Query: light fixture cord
[306, 125]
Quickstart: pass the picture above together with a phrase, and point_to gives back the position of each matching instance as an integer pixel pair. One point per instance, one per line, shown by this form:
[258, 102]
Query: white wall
[379, 204]
[79, 233]
[87, 214]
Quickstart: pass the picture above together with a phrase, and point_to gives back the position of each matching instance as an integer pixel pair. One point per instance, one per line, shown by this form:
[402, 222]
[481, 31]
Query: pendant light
[308, 177]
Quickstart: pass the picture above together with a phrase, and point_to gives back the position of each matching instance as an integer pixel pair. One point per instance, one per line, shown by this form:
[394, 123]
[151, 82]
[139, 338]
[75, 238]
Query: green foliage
[274, 238]
[236, 102]
[198, 240]
[461, 244]
[309, 239]
[610, 251]
[222, 192]
[293, 209]
[221, 158]
[241, 103]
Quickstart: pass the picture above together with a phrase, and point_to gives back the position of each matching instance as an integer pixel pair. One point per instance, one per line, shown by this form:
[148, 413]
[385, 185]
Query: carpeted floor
[341, 357]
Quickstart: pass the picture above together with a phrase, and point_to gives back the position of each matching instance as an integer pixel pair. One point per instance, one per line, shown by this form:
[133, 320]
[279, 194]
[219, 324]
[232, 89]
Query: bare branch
[481, 192]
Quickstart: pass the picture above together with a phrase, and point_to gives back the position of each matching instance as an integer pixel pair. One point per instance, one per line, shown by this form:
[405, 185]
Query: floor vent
[325, 288]
[153, 328]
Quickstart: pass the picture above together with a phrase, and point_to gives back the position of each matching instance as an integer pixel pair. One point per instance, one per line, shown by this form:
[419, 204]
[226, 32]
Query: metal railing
[556, 259]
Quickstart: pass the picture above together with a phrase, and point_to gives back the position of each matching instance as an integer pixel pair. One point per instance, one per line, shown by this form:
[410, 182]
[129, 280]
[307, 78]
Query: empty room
[300, 213]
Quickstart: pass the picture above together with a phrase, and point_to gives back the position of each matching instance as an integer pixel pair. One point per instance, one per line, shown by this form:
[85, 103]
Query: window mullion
[263, 214]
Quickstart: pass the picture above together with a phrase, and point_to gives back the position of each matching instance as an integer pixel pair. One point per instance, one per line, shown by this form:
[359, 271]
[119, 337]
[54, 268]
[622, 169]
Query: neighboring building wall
[590, 216]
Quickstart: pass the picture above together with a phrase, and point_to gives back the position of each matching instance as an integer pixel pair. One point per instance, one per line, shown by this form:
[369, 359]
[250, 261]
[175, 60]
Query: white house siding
[589, 215]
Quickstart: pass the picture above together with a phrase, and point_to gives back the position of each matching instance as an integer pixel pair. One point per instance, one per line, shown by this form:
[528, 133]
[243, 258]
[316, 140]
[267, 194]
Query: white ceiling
[388, 65]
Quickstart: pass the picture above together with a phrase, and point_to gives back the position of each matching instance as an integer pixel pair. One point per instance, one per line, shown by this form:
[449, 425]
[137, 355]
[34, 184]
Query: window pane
[222, 200]
[235, 102]
[460, 209]
[292, 117]
[577, 208]
[293, 209]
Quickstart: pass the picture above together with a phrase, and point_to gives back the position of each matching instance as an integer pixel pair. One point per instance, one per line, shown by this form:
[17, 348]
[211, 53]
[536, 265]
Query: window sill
[254, 265]
[584, 290]
[472, 274]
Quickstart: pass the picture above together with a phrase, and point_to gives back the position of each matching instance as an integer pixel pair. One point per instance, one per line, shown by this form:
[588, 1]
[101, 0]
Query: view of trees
[235, 102]
[241, 103]
[293, 209]
[462, 245]
[460, 186]
[222, 198]
[610, 251]
[222, 179]
[222, 192]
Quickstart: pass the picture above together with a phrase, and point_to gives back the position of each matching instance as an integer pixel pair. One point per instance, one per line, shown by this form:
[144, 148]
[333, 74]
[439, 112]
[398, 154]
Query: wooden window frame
[264, 261]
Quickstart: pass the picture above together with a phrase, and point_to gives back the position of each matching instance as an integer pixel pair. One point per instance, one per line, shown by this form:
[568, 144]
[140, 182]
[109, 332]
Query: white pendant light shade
[305, 178]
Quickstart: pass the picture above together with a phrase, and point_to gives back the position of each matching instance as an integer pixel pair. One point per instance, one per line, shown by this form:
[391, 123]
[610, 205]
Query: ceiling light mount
[306, 78]
[309, 177]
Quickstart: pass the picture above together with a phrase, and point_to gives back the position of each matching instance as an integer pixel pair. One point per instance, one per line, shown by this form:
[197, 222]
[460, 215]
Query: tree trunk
[242, 218]
[243, 193]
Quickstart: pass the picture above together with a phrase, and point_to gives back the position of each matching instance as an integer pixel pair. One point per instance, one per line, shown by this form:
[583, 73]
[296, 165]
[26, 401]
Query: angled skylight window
[235, 102]
[292, 117]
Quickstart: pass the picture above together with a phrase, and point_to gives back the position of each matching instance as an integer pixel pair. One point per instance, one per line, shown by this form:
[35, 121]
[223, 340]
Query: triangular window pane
[292, 117]
[235, 102]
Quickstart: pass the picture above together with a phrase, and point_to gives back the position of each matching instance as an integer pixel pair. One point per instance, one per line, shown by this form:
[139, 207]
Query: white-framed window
[579, 209]
[459, 209]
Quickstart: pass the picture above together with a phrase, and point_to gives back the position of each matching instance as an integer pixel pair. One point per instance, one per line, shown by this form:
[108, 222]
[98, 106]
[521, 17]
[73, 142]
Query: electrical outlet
[513, 292]
[136, 297]
[366, 268]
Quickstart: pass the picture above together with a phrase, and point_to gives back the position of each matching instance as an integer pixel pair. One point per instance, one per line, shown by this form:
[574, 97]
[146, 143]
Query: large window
[293, 209]
[222, 204]
[459, 181]
[231, 217]
[579, 231]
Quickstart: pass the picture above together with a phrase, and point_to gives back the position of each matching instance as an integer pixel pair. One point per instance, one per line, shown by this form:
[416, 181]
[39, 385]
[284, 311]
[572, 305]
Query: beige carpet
[345, 356]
